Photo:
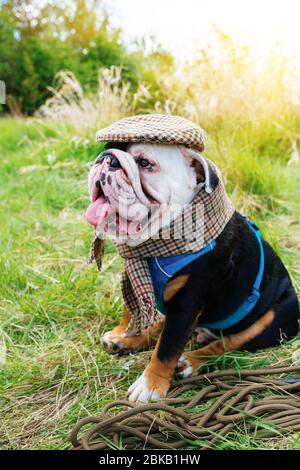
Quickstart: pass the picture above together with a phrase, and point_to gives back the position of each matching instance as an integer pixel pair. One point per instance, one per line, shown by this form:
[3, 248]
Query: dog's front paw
[118, 343]
[148, 387]
[115, 343]
[186, 366]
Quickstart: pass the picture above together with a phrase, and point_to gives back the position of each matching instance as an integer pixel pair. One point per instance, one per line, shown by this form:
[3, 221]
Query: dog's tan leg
[154, 383]
[115, 340]
[189, 362]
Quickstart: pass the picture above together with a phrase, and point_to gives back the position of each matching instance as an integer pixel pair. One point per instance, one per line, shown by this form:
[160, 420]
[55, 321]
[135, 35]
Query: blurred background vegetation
[39, 41]
[69, 56]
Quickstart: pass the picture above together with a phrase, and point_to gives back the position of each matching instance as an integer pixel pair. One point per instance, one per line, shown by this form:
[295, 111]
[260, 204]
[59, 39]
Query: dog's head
[135, 189]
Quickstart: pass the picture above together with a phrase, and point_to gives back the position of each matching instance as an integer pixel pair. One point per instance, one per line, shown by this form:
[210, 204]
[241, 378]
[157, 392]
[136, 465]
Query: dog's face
[136, 192]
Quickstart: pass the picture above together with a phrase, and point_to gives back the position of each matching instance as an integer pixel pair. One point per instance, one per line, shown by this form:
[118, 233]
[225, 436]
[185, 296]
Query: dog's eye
[142, 162]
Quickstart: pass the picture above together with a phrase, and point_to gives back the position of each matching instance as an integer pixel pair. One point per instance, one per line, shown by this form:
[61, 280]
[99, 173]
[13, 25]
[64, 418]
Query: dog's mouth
[102, 215]
[119, 206]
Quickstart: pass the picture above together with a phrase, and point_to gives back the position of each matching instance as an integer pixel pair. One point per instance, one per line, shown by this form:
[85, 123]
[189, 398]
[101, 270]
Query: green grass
[54, 307]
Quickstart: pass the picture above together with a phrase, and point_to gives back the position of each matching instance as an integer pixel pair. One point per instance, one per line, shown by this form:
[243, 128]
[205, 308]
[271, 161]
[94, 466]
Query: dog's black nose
[114, 162]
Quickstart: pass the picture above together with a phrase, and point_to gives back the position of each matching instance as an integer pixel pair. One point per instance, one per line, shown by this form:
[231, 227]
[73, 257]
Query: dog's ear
[205, 172]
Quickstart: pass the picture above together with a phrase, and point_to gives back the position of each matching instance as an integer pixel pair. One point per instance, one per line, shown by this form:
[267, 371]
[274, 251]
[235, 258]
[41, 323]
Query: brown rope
[189, 414]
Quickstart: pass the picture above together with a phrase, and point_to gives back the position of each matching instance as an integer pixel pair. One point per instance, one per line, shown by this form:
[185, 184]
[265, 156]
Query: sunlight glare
[184, 27]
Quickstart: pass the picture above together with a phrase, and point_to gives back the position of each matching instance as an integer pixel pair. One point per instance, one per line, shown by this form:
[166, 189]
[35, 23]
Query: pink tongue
[100, 209]
[97, 211]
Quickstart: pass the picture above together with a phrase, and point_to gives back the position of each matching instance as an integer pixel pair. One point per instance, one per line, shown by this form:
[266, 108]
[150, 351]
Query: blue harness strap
[164, 268]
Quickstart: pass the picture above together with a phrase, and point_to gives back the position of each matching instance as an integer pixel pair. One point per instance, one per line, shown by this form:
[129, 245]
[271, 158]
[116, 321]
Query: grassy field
[54, 307]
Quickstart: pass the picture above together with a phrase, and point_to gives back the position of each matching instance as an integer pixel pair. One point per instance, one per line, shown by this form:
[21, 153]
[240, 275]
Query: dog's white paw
[184, 367]
[148, 387]
[113, 343]
[118, 343]
[141, 391]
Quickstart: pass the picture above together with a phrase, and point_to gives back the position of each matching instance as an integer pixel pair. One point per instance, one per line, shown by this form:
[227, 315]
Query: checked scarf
[200, 222]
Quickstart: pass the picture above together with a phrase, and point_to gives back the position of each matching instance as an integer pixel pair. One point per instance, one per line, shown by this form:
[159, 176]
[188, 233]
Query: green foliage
[9, 58]
[34, 47]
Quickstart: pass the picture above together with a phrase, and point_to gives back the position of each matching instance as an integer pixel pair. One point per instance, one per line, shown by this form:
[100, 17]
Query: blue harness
[162, 269]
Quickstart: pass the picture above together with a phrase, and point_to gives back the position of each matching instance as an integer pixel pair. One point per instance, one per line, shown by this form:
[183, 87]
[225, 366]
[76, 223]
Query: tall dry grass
[248, 105]
[225, 89]
[70, 105]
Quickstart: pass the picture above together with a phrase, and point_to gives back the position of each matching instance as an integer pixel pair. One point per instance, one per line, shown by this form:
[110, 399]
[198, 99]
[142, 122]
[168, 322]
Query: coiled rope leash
[233, 400]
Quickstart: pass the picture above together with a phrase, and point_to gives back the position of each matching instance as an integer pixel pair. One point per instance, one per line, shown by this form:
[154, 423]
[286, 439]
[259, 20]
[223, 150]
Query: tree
[37, 42]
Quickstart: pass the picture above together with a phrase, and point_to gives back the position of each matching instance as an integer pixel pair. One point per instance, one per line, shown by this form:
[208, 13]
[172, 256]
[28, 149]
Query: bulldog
[125, 183]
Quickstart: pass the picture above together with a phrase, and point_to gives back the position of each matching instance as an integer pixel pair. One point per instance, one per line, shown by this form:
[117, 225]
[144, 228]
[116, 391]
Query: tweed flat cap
[155, 129]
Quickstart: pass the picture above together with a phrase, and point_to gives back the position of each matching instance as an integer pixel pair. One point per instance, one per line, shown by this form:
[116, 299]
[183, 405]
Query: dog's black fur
[220, 281]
